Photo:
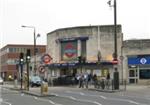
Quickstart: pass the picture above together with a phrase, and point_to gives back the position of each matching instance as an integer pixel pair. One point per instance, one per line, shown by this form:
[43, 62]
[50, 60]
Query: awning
[77, 65]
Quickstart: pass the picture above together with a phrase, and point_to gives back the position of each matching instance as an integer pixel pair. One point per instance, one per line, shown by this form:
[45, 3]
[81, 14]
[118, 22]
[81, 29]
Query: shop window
[145, 74]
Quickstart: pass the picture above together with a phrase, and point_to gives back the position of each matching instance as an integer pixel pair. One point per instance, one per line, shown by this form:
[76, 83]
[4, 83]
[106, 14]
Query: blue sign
[136, 60]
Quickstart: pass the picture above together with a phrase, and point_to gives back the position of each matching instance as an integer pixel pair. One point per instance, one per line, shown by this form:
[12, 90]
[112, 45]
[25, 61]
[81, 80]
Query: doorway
[133, 75]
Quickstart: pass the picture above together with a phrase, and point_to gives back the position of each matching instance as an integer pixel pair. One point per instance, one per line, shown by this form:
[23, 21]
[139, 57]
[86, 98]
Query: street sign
[46, 59]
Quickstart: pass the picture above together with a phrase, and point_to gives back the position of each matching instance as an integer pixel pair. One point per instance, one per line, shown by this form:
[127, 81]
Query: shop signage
[70, 50]
[136, 60]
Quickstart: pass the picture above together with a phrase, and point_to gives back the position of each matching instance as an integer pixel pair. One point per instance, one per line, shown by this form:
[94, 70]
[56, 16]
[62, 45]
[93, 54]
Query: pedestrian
[90, 78]
[81, 81]
[102, 83]
[95, 80]
[86, 79]
[108, 80]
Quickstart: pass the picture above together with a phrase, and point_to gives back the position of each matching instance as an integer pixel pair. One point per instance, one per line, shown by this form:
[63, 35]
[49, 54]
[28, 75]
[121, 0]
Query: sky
[49, 15]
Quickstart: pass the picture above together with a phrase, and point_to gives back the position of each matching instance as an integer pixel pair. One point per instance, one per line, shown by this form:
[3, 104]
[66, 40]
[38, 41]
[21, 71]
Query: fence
[110, 84]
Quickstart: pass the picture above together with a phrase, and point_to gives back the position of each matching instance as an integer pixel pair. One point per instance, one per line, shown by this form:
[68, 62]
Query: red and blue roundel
[70, 50]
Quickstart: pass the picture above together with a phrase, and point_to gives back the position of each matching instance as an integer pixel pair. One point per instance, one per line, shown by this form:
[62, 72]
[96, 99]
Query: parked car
[65, 80]
[35, 81]
[1, 81]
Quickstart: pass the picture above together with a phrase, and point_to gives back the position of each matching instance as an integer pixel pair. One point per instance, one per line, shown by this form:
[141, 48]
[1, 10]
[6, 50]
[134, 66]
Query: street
[76, 96]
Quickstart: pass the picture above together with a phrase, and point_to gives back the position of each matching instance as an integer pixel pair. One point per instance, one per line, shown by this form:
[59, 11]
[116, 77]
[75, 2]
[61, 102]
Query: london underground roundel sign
[70, 50]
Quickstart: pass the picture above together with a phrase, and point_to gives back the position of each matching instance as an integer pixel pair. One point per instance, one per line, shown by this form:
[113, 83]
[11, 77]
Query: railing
[110, 84]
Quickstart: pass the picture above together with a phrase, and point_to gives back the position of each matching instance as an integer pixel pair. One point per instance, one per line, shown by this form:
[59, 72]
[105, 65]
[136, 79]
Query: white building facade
[66, 45]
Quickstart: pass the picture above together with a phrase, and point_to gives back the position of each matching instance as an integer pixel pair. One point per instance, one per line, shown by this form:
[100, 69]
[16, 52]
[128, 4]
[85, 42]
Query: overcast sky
[48, 15]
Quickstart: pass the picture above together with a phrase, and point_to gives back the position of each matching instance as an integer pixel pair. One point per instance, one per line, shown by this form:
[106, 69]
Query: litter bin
[44, 88]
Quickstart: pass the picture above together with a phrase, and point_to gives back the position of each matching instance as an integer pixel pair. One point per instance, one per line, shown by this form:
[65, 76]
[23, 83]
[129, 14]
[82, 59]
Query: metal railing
[104, 84]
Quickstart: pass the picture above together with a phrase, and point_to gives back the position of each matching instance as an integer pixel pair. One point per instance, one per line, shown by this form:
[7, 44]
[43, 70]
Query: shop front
[139, 69]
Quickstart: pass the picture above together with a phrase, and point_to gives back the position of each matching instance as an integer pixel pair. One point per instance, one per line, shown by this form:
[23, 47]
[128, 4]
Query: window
[145, 74]
[10, 49]
[83, 48]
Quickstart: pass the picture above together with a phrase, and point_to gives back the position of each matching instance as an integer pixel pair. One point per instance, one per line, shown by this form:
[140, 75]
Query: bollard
[15, 83]
[44, 88]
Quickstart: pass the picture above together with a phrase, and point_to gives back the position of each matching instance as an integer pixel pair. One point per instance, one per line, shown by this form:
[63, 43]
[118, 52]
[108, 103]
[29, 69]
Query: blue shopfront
[139, 69]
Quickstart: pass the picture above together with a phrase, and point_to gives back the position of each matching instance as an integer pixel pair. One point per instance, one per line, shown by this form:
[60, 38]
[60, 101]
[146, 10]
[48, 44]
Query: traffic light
[28, 54]
[79, 59]
[83, 59]
[21, 57]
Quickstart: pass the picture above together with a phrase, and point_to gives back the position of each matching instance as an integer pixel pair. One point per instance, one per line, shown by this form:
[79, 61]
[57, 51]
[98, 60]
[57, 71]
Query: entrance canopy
[78, 65]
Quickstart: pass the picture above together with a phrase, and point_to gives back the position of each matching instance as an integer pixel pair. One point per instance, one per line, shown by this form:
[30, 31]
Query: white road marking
[105, 98]
[89, 101]
[81, 93]
[2, 101]
[133, 102]
[54, 94]
[81, 100]
[73, 98]
[35, 98]
[97, 103]
[7, 103]
[126, 100]
[22, 94]
[46, 100]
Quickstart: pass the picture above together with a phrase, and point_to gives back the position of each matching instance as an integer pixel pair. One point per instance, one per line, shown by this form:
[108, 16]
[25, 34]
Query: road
[76, 97]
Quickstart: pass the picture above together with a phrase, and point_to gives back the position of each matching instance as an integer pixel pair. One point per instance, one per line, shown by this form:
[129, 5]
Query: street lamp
[34, 48]
[116, 74]
[115, 28]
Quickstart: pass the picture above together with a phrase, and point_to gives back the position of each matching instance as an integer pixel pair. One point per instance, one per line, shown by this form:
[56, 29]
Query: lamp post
[34, 47]
[116, 74]
[28, 56]
[115, 27]
[21, 62]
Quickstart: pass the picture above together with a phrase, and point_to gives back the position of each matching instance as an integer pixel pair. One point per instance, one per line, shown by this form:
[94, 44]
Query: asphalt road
[76, 97]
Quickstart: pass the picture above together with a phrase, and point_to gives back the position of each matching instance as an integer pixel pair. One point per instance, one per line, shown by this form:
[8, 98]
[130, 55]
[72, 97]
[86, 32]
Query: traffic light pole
[21, 65]
[28, 56]
[28, 75]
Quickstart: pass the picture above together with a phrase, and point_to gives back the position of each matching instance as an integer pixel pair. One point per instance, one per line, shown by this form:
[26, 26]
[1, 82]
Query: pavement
[36, 91]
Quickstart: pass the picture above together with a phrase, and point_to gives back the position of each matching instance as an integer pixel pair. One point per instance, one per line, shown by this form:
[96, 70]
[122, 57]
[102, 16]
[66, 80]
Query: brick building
[10, 54]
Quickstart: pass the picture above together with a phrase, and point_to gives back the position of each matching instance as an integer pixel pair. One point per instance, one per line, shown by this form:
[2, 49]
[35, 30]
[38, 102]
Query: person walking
[81, 81]
[108, 80]
[86, 80]
[95, 80]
